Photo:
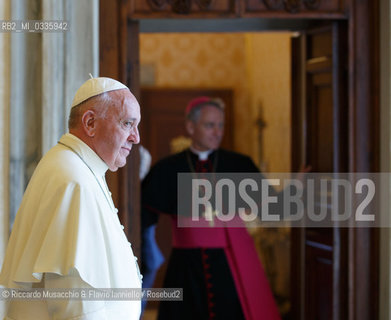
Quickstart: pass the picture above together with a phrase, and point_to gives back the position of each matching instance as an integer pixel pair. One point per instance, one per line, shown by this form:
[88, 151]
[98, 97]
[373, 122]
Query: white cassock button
[122, 227]
[129, 244]
[115, 210]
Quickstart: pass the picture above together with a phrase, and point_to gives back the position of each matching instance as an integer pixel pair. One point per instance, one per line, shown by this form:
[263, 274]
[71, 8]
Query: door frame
[325, 249]
[119, 59]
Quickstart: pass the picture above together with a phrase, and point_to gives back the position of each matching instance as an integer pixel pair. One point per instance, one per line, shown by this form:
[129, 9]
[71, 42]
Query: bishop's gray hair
[100, 105]
[195, 112]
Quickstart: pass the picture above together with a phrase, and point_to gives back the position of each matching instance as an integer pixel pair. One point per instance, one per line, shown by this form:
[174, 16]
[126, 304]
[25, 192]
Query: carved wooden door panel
[301, 7]
[239, 8]
[319, 255]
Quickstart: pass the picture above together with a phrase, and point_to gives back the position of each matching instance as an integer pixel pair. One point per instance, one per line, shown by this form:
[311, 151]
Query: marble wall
[25, 101]
[46, 70]
[39, 74]
[4, 134]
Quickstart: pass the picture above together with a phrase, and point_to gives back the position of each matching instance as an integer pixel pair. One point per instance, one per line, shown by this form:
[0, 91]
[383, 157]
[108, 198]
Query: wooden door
[118, 43]
[320, 109]
[122, 64]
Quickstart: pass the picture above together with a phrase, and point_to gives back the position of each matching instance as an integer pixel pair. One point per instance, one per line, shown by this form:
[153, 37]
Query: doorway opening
[256, 67]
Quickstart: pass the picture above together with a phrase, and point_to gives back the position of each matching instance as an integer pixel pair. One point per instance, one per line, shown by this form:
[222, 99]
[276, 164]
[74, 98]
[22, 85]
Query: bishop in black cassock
[213, 279]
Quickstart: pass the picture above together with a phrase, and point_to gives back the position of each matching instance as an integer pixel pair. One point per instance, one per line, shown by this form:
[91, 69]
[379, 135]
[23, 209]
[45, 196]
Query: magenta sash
[249, 277]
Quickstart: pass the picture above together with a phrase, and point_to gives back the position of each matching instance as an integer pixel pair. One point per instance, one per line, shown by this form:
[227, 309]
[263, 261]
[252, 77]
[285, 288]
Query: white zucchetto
[95, 86]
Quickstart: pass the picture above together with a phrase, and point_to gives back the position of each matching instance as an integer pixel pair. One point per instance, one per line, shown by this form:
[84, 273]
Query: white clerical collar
[202, 155]
[86, 153]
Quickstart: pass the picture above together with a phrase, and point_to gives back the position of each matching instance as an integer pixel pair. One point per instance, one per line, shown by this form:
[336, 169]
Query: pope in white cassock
[67, 233]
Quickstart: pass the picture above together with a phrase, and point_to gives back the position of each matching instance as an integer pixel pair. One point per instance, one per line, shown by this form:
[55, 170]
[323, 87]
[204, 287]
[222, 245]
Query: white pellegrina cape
[67, 224]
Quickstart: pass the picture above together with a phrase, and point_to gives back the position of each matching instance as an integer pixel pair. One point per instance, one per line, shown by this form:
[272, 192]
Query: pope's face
[117, 131]
[207, 132]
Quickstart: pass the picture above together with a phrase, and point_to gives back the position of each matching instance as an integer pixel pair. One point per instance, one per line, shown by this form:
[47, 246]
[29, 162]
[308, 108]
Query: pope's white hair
[99, 104]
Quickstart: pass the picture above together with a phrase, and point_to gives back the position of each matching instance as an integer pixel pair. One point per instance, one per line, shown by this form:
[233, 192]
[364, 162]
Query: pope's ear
[190, 127]
[88, 121]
